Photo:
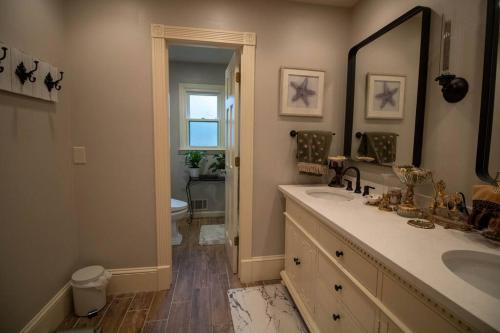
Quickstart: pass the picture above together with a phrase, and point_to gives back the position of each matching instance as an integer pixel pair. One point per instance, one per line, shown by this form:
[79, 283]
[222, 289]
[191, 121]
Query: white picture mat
[316, 82]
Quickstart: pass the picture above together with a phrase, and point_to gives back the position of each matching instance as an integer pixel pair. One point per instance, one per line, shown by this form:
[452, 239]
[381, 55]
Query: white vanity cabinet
[339, 287]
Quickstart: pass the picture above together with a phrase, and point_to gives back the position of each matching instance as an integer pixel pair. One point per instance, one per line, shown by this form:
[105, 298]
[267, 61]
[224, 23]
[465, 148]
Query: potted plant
[193, 159]
[219, 164]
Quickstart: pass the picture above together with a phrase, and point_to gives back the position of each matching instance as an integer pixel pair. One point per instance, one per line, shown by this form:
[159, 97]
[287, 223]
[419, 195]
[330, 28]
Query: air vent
[199, 204]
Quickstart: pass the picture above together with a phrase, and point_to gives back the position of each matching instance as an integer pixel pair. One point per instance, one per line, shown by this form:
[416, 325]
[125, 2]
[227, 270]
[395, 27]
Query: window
[201, 116]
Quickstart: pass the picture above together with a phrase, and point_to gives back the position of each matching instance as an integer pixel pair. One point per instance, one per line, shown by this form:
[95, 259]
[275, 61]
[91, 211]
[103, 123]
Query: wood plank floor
[197, 301]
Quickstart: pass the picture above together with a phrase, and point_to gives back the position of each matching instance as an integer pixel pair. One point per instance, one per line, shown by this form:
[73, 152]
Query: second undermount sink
[330, 195]
[481, 270]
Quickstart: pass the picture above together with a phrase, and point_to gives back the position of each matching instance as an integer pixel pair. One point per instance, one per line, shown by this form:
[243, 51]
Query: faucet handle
[366, 190]
[349, 185]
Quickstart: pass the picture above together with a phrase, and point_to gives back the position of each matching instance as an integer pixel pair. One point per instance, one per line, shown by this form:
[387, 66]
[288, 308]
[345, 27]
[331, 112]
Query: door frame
[246, 41]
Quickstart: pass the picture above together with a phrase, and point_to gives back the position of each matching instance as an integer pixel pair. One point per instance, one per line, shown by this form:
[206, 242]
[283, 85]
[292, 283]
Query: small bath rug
[264, 309]
[212, 234]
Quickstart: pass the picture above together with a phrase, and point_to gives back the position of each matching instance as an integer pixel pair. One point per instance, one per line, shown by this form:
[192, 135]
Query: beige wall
[38, 237]
[450, 133]
[188, 72]
[109, 48]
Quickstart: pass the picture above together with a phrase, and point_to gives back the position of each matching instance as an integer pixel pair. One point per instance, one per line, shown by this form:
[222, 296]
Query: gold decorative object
[410, 176]
[423, 224]
[497, 182]
[395, 196]
[385, 203]
[447, 223]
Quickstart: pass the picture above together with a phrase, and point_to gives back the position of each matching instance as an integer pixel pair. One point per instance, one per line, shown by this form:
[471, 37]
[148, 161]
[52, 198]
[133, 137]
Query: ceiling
[336, 3]
[200, 54]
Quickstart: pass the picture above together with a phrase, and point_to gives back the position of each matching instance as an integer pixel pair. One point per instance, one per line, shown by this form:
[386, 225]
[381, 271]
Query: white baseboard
[261, 268]
[126, 280]
[123, 280]
[208, 213]
[53, 313]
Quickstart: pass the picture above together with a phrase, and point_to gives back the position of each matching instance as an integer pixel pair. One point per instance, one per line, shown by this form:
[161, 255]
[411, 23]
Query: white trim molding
[125, 280]
[245, 43]
[52, 313]
[261, 268]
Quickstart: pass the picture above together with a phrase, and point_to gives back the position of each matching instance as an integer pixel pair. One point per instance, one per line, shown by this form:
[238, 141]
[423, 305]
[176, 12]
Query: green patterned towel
[312, 152]
[379, 145]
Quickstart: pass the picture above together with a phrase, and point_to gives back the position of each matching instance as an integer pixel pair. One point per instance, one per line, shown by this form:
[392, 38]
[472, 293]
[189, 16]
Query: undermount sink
[481, 270]
[329, 195]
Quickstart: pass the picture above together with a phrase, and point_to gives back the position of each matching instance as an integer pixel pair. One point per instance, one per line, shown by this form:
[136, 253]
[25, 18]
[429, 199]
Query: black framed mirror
[488, 154]
[386, 91]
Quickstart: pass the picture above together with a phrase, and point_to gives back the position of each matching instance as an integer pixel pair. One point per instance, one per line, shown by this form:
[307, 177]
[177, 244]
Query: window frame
[186, 89]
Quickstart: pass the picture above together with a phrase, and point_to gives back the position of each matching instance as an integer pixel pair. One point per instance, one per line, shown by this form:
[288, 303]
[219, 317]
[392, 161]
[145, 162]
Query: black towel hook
[51, 84]
[23, 74]
[4, 55]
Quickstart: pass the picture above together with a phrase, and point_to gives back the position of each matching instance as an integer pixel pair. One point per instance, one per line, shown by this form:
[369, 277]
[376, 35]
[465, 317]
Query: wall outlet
[79, 155]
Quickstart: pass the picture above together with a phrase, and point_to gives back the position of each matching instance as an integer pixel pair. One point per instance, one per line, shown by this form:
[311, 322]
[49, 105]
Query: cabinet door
[307, 270]
[291, 253]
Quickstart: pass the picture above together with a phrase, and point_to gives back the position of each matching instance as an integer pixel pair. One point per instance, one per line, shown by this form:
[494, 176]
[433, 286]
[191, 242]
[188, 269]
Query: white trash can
[89, 289]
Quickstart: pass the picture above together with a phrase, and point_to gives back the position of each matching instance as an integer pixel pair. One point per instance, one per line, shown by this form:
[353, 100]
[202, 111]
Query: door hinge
[238, 77]
[237, 161]
[236, 241]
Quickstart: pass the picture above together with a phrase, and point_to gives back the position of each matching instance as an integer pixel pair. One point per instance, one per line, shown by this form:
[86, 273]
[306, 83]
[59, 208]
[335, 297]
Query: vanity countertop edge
[414, 254]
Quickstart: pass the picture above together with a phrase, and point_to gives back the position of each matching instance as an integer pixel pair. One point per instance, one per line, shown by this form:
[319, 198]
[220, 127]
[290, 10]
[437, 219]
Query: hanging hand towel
[379, 145]
[312, 152]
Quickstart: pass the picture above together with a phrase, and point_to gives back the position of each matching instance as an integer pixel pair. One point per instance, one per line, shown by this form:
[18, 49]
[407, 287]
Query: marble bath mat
[212, 234]
[264, 309]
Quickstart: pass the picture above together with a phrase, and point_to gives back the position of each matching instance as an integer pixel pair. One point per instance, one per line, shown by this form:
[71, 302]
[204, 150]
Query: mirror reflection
[494, 164]
[385, 96]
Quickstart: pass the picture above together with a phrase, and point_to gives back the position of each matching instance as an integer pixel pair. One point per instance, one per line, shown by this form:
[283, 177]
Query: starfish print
[301, 92]
[387, 96]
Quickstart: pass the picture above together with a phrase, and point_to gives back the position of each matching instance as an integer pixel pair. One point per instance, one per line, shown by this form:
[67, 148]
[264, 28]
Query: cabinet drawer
[335, 284]
[359, 267]
[305, 219]
[327, 307]
[411, 311]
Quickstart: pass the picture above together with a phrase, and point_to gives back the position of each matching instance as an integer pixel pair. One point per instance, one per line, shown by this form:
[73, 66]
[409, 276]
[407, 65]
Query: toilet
[179, 210]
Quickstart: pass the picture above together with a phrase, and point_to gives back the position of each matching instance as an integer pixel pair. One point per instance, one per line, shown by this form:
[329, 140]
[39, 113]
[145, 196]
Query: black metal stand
[202, 178]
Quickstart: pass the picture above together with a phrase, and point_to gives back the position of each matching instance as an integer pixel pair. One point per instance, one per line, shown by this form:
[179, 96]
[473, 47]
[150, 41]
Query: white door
[232, 88]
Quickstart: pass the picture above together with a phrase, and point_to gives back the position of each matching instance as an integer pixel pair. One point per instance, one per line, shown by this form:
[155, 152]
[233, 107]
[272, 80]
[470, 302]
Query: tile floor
[197, 301]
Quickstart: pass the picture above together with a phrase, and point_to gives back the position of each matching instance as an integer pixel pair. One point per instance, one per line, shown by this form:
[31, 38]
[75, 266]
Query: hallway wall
[38, 235]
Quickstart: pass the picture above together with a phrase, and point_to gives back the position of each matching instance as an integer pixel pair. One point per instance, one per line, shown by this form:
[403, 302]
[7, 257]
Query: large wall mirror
[488, 149]
[386, 89]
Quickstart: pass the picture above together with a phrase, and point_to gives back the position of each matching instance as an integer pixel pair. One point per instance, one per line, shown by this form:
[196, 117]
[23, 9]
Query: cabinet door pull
[336, 317]
[339, 254]
[338, 287]
[296, 260]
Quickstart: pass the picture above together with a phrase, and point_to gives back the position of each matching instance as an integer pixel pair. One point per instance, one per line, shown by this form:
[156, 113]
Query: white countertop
[413, 253]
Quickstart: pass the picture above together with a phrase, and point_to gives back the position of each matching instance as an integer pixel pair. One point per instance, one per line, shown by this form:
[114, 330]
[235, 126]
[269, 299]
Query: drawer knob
[339, 254]
[338, 287]
[296, 260]
[336, 317]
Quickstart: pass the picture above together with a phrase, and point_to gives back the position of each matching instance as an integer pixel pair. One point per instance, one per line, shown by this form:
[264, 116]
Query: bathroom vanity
[353, 268]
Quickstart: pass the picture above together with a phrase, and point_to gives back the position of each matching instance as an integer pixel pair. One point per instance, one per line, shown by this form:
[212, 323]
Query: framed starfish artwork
[302, 92]
[385, 96]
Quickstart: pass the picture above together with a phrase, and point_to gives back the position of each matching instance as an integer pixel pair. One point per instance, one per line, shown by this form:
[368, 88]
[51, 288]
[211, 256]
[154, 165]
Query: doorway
[239, 233]
[204, 148]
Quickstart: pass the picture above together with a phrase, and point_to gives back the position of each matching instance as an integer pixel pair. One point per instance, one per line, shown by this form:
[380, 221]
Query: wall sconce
[4, 55]
[454, 88]
[23, 74]
[51, 84]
